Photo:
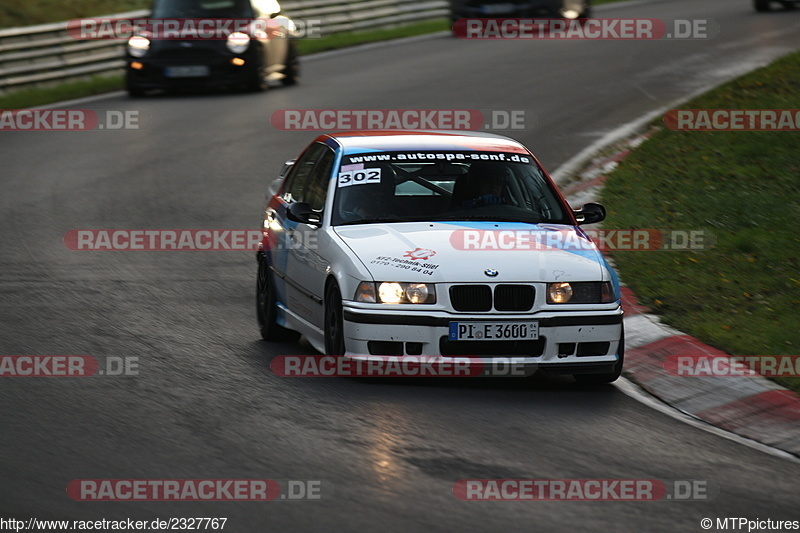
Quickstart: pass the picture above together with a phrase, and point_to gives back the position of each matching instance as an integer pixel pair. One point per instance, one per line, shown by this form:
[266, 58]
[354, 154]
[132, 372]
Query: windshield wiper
[376, 220]
[468, 218]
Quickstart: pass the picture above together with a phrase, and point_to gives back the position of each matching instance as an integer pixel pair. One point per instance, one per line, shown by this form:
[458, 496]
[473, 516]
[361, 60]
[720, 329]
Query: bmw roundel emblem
[490, 272]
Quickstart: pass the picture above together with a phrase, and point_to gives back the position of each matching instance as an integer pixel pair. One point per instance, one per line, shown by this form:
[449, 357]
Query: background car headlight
[238, 42]
[580, 292]
[392, 292]
[138, 45]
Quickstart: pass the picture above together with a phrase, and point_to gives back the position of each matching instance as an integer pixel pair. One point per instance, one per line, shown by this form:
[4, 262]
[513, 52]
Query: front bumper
[568, 342]
[153, 73]
[491, 9]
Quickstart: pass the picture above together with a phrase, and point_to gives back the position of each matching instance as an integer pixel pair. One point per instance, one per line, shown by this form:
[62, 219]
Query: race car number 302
[494, 331]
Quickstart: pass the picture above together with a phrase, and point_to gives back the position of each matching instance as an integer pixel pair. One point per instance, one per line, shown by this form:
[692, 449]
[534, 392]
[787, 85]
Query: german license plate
[192, 71]
[494, 331]
[497, 9]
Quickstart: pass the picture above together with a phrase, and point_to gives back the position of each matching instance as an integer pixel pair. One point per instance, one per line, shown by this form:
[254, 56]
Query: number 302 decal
[359, 177]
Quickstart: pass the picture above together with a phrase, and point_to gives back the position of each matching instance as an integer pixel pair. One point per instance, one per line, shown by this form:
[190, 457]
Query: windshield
[443, 186]
[202, 9]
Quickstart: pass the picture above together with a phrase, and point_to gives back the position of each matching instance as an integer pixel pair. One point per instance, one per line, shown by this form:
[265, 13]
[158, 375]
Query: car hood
[466, 251]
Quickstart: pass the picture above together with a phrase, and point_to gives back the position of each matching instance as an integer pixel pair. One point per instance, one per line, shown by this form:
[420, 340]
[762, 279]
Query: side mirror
[590, 213]
[302, 212]
[287, 166]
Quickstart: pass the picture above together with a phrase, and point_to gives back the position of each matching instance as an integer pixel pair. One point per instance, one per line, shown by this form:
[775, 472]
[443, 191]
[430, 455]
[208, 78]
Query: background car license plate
[493, 331]
[497, 9]
[193, 71]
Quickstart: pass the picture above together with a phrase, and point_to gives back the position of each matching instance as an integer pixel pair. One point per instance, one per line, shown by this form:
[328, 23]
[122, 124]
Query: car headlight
[238, 42]
[559, 293]
[392, 292]
[581, 292]
[138, 45]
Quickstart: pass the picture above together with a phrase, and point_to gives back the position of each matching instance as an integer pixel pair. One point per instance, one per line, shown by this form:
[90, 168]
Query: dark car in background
[259, 50]
[571, 9]
[766, 5]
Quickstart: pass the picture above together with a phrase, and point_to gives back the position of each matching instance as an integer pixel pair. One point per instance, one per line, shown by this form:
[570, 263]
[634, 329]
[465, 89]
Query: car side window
[317, 189]
[297, 181]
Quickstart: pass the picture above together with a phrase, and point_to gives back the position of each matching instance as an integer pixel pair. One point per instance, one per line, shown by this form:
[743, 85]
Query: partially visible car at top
[766, 5]
[400, 243]
[253, 56]
[572, 9]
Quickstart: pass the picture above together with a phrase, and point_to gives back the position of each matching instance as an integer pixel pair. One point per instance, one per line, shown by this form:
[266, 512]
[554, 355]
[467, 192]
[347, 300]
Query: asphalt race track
[205, 403]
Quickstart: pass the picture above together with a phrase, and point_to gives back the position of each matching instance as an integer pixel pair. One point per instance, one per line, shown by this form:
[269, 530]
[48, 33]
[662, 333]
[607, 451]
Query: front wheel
[608, 377]
[761, 5]
[266, 307]
[134, 91]
[291, 72]
[334, 323]
[257, 82]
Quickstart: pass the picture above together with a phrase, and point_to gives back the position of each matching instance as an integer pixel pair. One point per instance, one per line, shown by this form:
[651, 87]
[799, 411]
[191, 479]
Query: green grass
[743, 295]
[342, 40]
[28, 98]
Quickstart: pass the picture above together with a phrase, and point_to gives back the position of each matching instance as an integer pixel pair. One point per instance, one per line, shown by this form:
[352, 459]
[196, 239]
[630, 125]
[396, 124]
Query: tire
[257, 83]
[334, 323]
[761, 5]
[608, 377]
[266, 307]
[134, 91]
[291, 72]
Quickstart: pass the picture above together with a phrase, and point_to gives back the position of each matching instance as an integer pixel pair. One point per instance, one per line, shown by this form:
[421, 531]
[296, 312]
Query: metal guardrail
[46, 55]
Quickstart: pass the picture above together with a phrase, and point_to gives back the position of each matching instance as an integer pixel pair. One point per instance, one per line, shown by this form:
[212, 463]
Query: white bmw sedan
[446, 244]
